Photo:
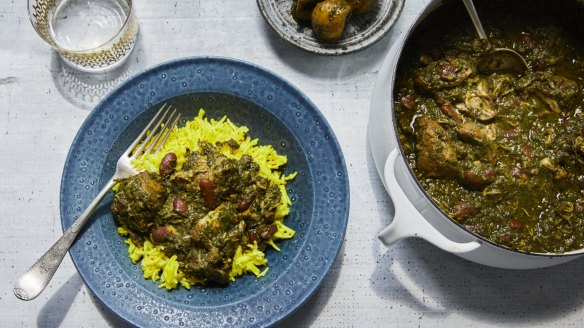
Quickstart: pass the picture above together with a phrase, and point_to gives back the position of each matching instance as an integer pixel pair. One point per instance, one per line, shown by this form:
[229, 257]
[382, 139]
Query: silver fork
[34, 281]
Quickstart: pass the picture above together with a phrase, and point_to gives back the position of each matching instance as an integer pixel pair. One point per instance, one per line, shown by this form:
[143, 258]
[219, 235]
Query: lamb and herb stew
[202, 212]
[501, 154]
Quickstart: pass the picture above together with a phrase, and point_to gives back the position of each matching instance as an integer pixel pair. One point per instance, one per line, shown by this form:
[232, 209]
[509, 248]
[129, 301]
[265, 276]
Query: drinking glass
[90, 35]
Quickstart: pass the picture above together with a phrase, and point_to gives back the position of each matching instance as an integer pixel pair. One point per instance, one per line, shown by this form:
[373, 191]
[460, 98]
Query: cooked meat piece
[138, 200]
[435, 154]
[445, 73]
[473, 132]
[478, 103]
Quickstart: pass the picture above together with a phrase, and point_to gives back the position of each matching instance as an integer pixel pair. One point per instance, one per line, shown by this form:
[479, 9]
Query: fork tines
[156, 132]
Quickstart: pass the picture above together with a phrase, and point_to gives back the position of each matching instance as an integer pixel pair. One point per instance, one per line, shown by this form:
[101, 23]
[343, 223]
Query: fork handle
[34, 281]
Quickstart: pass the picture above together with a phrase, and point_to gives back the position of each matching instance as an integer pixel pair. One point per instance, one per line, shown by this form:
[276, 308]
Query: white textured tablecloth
[412, 284]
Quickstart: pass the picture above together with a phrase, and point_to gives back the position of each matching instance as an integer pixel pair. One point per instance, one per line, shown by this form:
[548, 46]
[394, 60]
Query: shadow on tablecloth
[85, 90]
[56, 308]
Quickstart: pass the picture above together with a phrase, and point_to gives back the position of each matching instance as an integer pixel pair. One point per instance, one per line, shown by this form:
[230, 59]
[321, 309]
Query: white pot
[415, 215]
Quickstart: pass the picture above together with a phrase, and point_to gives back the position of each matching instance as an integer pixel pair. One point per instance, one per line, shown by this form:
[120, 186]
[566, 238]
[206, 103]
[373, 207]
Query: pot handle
[408, 222]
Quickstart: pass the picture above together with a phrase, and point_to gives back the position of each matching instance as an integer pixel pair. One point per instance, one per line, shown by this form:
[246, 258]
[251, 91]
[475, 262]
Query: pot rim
[423, 15]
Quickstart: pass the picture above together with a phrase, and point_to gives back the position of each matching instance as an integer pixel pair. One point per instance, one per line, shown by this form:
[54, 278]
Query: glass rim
[55, 45]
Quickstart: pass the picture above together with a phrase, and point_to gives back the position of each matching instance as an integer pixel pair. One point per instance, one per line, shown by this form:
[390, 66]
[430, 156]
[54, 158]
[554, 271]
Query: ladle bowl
[497, 60]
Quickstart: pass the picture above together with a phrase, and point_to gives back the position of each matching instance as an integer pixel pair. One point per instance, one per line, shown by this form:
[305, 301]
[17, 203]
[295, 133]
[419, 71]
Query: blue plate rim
[229, 61]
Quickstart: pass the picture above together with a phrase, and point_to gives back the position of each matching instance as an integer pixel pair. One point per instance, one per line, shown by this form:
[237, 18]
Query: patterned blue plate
[277, 113]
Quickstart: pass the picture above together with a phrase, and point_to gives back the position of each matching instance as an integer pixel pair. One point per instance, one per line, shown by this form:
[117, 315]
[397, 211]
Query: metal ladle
[497, 60]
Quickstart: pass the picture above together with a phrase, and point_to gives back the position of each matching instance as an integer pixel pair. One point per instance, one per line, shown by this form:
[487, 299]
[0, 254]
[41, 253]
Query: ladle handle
[475, 19]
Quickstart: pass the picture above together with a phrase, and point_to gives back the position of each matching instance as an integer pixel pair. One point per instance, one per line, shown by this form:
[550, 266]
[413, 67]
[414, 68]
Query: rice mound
[159, 267]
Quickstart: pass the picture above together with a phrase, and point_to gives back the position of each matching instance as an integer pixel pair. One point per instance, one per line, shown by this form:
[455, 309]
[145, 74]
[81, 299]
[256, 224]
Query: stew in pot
[501, 154]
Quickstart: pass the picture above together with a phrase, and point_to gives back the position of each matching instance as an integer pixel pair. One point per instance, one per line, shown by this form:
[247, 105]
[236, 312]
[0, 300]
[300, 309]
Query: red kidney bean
[168, 164]
[268, 231]
[449, 111]
[448, 70]
[208, 190]
[516, 224]
[244, 203]
[408, 102]
[160, 234]
[505, 239]
[527, 151]
[479, 177]
[463, 211]
[179, 206]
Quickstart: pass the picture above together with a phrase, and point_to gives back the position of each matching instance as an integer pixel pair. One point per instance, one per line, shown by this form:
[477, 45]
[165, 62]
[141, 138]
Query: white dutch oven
[415, 215]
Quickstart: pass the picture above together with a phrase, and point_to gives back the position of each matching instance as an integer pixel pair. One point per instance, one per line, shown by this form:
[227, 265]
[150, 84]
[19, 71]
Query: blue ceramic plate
[277, 113]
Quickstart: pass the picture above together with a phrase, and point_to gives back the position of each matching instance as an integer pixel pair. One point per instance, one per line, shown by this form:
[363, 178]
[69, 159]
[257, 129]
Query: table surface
[43, 104]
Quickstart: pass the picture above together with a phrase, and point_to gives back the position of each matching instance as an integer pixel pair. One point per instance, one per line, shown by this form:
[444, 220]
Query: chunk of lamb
[553, 90]
[476, 133]
[217, 236]
[436, 155]
[478, 139]
[445, 73]
[478, 103]
[138, 200]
